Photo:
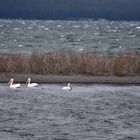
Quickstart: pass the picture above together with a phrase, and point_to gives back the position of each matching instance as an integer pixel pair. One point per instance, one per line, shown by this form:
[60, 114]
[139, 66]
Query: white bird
[67, 87]
[11, 85]
[29, 84]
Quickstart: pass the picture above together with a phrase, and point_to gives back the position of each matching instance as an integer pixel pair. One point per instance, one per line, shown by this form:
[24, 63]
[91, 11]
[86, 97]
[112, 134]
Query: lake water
[101, 36]
[88, 112]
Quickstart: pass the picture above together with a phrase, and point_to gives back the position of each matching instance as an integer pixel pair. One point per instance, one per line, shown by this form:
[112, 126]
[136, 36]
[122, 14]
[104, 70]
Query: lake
[100, 36]
[89, 111]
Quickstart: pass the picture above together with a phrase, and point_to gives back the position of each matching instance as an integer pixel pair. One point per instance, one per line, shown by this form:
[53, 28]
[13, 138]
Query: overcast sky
[71, 9]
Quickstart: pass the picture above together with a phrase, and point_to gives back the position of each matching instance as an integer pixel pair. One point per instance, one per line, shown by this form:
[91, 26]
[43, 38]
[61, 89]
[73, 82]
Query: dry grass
[86, 63]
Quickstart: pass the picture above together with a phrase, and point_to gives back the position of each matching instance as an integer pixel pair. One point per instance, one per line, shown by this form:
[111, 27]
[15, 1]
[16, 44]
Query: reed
[71, 62]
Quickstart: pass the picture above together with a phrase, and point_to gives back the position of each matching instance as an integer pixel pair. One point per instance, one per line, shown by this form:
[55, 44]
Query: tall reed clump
[14, 63]
[71, 62]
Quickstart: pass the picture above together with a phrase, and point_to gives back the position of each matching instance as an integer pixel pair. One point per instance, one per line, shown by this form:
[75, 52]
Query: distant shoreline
[4, 78]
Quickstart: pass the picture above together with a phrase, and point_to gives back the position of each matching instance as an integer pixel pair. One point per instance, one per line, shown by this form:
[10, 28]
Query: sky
[70, 9]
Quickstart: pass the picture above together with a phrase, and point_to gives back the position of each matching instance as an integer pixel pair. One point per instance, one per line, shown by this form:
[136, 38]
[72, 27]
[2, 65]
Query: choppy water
[101, 36]
[88, 112]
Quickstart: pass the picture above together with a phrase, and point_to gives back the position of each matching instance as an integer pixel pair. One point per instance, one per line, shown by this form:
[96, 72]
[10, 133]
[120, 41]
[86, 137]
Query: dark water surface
[88, 112]
[101, 36]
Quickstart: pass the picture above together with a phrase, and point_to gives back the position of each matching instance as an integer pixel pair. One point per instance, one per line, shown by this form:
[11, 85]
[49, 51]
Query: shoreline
[5, 77]
[71, 63]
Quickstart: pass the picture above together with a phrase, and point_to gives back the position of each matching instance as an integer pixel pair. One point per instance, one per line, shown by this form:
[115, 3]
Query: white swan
[68, 87]
[11, 85]
[29, 84]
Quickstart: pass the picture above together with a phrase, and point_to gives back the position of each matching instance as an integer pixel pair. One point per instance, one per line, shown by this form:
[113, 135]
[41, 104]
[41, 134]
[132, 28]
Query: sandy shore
[4, 78]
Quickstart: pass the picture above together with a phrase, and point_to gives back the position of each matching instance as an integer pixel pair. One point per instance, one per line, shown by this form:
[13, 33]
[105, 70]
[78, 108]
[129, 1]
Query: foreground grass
[86, 63]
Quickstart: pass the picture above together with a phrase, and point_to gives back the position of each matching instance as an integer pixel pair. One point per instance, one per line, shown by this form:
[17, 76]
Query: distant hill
[71, 9]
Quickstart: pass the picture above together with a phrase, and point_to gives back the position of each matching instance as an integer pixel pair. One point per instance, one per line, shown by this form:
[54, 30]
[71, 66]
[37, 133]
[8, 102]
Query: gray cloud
[68, 9]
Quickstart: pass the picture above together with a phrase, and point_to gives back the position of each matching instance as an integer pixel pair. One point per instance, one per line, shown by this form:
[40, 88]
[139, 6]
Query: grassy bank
[69, 63]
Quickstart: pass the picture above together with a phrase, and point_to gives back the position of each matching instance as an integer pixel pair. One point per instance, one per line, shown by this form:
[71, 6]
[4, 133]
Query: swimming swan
[68, 87]
[11, 85]
[29, 84]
